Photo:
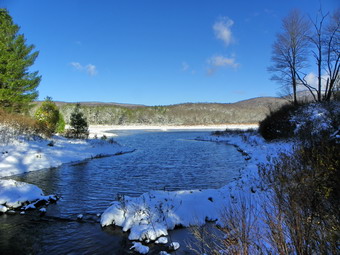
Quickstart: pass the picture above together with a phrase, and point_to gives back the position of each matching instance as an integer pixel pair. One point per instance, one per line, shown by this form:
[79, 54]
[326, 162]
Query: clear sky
[155, 52]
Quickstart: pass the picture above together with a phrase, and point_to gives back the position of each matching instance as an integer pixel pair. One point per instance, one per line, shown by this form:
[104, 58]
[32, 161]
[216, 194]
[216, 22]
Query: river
[161, 161]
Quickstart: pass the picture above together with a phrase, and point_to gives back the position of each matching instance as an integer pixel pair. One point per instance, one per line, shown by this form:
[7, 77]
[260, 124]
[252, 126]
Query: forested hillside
[248, 111]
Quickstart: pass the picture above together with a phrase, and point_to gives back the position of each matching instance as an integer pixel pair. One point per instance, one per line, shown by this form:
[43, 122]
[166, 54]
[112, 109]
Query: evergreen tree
[61, 124]
[17, 84]
[48, 115]
[78, 123]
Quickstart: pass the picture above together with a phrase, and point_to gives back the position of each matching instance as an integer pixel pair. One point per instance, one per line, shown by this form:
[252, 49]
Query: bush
[304, 216]
[277, 124]
[317, 122]
[60, 124]
[78, 123]
[48, 114]
[14, 125]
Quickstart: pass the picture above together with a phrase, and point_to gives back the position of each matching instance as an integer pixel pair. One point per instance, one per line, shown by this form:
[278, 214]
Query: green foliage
[60, 128]
[48, 115]
[17, 84]
[277, 124]
[78, 123]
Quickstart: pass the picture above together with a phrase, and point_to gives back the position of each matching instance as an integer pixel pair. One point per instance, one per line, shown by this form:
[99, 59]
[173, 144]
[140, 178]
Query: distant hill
[247, 111]
[60, 103]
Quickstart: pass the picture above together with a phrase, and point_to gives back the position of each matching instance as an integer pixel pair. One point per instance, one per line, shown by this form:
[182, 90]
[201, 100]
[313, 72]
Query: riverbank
[26, 154]
[98, 128]
[108, 130]
[154, 213]
[187, 204]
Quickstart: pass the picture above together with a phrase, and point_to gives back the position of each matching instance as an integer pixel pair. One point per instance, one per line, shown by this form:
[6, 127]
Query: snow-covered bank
[15, 194]
[100, 130]
[154, 213]
[24, 155]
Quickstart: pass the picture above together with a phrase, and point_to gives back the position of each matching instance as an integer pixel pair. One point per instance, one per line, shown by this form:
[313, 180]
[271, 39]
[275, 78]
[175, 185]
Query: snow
[25, 155]
[138, 247]
[162, 240]
[164, 253]
[100, 130]
[318, 118]
[3, 208]
[152, 214]
[174, 245]
[14, 194]
[21, 154]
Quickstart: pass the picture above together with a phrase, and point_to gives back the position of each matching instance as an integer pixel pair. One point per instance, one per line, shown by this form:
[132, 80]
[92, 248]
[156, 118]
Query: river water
[162, 160]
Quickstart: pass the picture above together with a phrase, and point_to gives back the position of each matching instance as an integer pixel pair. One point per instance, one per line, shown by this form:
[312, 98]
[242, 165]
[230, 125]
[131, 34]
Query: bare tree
[325, 41]
[290, 51]
[332, 52]
[318, 40]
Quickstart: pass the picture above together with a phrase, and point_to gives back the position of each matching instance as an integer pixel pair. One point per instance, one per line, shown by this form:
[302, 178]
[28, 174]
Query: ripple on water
[164, 160]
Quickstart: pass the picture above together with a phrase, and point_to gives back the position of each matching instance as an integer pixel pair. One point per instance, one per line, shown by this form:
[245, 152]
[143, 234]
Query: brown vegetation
[13, 125]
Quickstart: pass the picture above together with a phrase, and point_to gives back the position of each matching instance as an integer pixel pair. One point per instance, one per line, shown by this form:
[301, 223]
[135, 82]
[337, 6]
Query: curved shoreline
[106, 130]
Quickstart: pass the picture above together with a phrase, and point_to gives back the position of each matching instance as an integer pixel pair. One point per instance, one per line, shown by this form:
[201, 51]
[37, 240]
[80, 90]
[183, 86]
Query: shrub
[277, 124]
[304, 215]
[14, 125]
[317, 122]
[60, 128]
[48, 114]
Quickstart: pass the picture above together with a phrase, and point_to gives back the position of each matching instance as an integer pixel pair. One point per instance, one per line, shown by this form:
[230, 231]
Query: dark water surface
[162, 160]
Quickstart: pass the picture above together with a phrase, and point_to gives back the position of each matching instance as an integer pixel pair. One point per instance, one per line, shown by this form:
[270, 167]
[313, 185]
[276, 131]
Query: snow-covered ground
[23, 155]
[15, 194]
[100, 130]
[151, 215]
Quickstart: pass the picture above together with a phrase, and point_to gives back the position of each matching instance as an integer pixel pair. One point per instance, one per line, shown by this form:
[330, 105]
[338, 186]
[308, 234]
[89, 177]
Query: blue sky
[155, 52]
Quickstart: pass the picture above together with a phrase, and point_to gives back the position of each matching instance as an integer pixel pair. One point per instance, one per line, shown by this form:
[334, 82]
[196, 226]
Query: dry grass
[14, 125]
[237, 235]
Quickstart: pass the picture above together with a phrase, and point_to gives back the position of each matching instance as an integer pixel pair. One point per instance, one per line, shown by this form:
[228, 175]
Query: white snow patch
[174, 245]
[162, 240]
[14, 194]
[3, 208]
[42, 210]
[22, 155]
[164, 253]
[138, 247]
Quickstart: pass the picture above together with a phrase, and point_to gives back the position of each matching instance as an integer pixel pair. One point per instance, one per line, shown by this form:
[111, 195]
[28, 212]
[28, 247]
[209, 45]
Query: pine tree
[78, 123]
[17, 84]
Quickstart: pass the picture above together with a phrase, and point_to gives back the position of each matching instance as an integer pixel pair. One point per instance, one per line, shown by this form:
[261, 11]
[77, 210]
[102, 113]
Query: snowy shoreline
[25, 154]
[150, 216]
[100, 130]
